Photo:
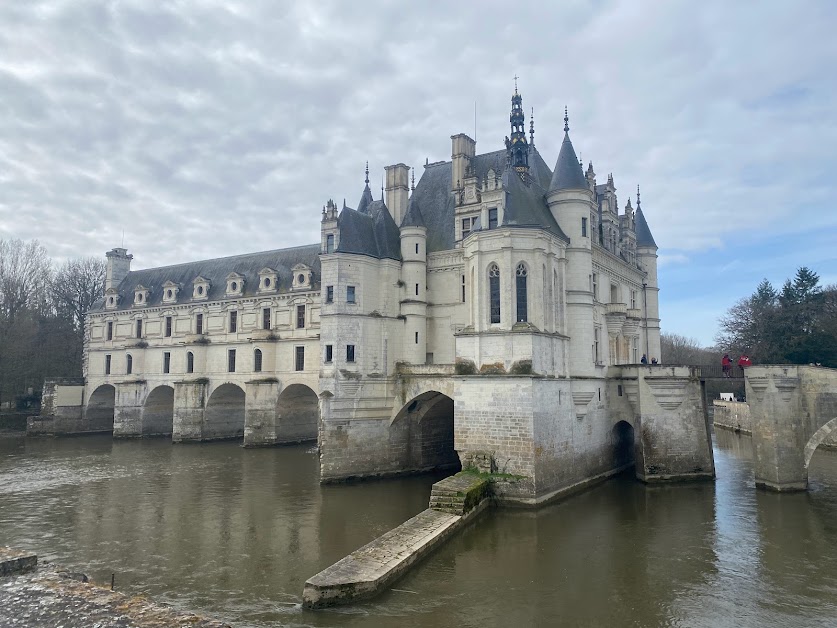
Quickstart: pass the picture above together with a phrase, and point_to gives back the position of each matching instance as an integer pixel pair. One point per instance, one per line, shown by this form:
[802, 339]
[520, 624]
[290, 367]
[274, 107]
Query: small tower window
[257, 360]
[110, 330]
[494, 292]
[129, 364]
[329, 294]
[520, 286]
[107, 364]
[350, 353]
[190, 362]
[417, 289]
[330, 243]
[463, 288]
[584, 227]
[329, 353]
[417, 248]
[492, 217]
[350, 294]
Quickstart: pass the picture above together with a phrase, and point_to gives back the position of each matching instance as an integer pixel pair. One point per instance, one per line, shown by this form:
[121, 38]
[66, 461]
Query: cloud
[211, 128]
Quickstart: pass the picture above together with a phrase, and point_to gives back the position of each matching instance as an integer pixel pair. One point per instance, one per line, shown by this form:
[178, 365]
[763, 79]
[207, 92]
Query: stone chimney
[119, 265]
[398, 188]
[463, 149]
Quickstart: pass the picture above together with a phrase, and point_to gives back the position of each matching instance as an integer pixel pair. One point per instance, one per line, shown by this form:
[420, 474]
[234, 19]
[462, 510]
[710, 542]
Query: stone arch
[817, 439]
[423, 431]
[100, 409]
[158, 412]
[624, 444]
[297, 414]
[224, 414]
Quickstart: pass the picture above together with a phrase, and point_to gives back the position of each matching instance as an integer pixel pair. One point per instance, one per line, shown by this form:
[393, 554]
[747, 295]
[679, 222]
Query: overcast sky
[208, 128]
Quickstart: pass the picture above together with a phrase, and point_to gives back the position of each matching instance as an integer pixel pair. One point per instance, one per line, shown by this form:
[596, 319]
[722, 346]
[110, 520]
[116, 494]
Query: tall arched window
[190, 362]
[257, 360]
[129, 364]
[520, 286]
[494, 292]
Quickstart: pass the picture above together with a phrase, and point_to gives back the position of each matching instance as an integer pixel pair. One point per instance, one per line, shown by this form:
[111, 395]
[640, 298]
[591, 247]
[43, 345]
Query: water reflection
[235, 533]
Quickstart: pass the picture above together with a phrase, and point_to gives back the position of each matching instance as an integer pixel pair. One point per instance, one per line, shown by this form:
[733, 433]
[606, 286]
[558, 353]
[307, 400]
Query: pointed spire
[344, 202]
[382, 187]
[569, 172]
[366, 197]
[413, 181]
[517, 148]
[638, 206]
[532, 128]
[367, 173]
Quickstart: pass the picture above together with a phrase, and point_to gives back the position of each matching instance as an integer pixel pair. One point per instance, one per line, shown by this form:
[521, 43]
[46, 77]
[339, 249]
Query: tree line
[42, 309]
[796, 324]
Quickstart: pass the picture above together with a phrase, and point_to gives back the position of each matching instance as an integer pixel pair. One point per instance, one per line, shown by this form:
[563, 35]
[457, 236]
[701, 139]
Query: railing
[716, 371]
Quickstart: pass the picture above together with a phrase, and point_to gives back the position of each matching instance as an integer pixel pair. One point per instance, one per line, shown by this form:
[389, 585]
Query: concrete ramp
[369, 570]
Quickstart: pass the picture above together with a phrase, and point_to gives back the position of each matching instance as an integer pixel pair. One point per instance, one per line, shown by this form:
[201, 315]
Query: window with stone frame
[300, 316]
[190, 362]
[330, 243]
[107, 364]
[329, 353]
[266, 318]
[299, 358]
[199, 323]
[329, 294]
[350, 353]
[129, 364]
[257, 360]
[109, 330]
[168, 326]
[350, 294]
[494, 293]
[231, 360]
[521, 274]
[166, 362]
[233, 321]
[139, 328]
[468, 225]
[492, 217]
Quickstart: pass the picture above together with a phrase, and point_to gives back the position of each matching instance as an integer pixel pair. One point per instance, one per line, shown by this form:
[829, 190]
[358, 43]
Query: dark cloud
[214, 128]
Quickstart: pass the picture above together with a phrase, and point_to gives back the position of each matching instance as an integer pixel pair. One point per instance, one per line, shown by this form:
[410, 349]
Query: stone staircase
[459, 494]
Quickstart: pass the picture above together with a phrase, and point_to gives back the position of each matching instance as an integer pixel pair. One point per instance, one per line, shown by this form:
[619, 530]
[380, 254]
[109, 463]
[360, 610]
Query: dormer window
[235, 285]
[200, 289]
[302, 277]
[268, 280]
[141, 296]
[111, 299]
[170, 292]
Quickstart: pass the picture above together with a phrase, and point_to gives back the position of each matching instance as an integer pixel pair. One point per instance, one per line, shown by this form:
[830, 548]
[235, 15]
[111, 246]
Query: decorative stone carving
[581, 399]
[785, 386]
[668, 393]
[759, 385]
[631, 388]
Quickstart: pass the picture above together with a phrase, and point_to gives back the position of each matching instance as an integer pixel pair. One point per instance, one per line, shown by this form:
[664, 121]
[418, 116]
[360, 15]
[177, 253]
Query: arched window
[190, 362]
[129, 364]
[494, 292]
[520, 286]
[257, 360]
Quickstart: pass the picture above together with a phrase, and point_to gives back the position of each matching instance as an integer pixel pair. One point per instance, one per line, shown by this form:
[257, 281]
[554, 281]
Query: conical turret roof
[568, 174]
[643, 232]
[413, 217]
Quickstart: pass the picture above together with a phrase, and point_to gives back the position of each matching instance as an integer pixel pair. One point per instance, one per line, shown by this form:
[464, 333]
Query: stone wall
[61, 409]
[732, 415]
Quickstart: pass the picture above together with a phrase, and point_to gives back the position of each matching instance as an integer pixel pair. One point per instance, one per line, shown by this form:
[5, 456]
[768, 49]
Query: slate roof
[371, 232]
[525, 203]
[643, 232]
[568, 174]
[413, 217]
[216, 271]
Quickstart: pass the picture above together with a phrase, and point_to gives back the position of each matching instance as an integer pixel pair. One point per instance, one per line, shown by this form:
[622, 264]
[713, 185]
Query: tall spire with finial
[638, 206]
[568, 173]
[517, 148]
[532, 128]
[413, 181]
[367, 172]
[566, 120]
[366, 197]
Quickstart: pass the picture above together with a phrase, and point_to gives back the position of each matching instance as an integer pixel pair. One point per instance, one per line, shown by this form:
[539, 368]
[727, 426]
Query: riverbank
[36, 595]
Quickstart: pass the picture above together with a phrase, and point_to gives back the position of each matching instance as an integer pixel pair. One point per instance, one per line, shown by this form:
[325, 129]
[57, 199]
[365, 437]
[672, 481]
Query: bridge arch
[100, 409]
[423, 430]
[817, 439]
[158, 412]
[623, 440]
[297, 414]
[224, 413]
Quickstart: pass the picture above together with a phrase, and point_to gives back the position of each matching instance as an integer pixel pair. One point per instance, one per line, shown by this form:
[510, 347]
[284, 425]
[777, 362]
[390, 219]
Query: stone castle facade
[485, 315]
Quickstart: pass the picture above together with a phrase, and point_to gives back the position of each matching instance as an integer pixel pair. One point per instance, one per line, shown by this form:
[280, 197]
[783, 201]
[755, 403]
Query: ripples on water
[235, 533]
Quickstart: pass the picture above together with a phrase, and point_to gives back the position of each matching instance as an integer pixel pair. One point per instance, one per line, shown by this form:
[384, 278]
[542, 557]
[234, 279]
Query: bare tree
[678, 349]
[76, 286]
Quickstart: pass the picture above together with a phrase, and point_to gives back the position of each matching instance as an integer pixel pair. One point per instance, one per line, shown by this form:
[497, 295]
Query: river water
[234, 533]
